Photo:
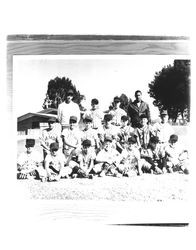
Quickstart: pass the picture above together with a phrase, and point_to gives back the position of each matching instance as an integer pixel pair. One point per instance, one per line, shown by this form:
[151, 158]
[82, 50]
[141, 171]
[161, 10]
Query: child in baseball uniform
[144, 132]
[49, 135]
[85, 161]
[55, 164]
[152, 158]
[96, 114]
[71, 137]
[117, 112]
[125, 132]
[177, 159]
[30, 163]
[163, 129]
[107, 160]
[129, 165]
[90, 134]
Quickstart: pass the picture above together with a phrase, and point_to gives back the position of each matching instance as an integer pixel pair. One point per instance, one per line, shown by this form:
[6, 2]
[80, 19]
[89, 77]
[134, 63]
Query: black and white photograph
[98, 129]
[106, 126]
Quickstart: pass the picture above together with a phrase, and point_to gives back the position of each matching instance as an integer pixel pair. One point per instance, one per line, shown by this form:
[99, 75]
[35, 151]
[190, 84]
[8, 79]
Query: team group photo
[104, 132]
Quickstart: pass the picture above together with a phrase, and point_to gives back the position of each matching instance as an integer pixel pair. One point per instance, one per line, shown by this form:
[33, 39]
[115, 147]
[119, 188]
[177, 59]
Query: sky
[95, 76]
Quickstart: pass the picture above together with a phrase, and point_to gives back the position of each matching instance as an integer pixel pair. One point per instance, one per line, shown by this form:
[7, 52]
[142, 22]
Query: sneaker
[90, 176]
[102, 174]
[74, 176]
[164, 171]
[170, 170]
[151, 171]
[43, 179]
[118, 175]
[30, 177]
[158, 170]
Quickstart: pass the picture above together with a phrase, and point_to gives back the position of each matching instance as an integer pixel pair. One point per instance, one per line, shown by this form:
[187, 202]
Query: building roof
[52, 111]
[29, 115]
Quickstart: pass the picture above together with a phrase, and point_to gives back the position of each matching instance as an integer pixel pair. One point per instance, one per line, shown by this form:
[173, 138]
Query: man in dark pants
[137, 108]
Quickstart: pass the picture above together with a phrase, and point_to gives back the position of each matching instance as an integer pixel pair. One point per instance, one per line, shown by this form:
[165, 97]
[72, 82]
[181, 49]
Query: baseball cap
[132, 140]
[174, 138]
[94, 101]
[88, 118]
[143, 116]
[124, 118]
[70, 92]
[108, 138]
[108, 117]
[164, 112]
[116, 99]
[86, 143]
[30, 142]
[154, 139]
[54, 146]
[73, 119]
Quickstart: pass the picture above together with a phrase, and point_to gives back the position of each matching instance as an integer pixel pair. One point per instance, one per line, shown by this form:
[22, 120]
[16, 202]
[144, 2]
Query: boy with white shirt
[163, 129]
[96, 114]
[129, 165]
[30, 162]
[71, 137]
[90, 134]
[177, 159]
[82, 167]
[49, 135]
[125, 130]
[67, 109]
[117, 112]
[107, 160]
[54, 164]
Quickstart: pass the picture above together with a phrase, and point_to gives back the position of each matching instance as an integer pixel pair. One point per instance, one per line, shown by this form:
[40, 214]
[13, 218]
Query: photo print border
[111, 213]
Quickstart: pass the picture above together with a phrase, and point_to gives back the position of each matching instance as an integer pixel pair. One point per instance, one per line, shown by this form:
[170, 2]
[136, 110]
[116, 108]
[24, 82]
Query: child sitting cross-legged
[82, 167]
[130, 159]
[177, 159]
[107, 159]
[30, 163]
[54, 164]
[152, 158]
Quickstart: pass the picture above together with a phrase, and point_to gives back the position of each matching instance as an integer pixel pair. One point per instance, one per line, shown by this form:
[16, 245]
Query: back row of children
[105, 145]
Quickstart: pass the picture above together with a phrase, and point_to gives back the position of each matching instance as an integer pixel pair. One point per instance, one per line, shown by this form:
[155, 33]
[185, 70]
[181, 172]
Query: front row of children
[85, 163]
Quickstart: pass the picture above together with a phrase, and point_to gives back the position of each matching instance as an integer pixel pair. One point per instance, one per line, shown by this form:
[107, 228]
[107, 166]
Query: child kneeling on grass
[30, 163]
[84, 161]
[152, 158]
[131, 156]
[54, 164]
[177, 159]
[107, 160]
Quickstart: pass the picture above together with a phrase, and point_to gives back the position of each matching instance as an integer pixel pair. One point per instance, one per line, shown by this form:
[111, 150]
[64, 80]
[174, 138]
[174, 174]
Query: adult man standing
[138, 108]
[67, 109]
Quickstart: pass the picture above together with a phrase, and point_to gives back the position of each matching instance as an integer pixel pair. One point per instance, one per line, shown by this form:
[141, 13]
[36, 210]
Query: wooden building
[33, 122]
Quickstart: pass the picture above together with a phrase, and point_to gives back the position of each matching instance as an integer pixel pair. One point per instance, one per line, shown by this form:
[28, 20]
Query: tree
[124, 101]
[171, 89]
[57, 90]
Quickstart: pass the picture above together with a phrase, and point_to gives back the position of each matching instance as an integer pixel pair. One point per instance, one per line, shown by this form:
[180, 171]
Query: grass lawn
[140, 188]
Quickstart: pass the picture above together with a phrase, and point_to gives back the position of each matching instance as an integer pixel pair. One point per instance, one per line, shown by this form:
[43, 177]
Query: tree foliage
[124, 102]
[171, 89]
[57, 90]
